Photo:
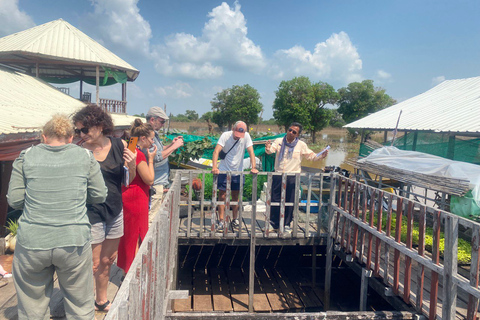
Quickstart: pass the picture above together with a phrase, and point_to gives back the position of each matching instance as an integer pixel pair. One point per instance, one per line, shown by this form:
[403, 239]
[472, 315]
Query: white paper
[323, 151]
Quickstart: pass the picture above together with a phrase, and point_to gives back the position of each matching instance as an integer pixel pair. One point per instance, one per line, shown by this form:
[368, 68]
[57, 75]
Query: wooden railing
[366, 223]
[114, 106]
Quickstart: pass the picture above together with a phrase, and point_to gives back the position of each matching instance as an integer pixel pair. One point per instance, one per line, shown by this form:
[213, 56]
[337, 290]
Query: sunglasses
[84, 130]
[161, 120]
[292, 131]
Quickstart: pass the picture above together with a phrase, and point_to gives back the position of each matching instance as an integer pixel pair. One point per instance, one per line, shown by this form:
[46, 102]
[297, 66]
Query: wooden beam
[97, 84]
[366, 274]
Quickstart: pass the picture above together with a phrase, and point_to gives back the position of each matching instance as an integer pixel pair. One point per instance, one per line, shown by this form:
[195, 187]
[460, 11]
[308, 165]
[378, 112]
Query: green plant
[192, 150]
[12, 226]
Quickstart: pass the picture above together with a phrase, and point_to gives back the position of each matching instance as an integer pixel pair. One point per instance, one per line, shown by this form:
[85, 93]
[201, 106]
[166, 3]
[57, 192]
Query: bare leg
[221, 208]
[235, 208]
[104, 254]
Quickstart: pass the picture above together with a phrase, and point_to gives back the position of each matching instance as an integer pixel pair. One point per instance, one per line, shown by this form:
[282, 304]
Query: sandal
[6, 275]
[102, 307]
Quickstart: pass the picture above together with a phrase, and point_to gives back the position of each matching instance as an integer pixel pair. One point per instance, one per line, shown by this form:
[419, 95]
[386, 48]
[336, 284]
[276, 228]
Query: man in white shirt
[233, 144]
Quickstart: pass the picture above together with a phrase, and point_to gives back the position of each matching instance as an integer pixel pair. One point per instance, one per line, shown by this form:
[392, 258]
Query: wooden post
[451, 147]
[37, 72]
[97, 83]
[331, 231]
[385, 136]
[364, 288]
[449, 305]
[81, 89]
[251, 275]
[415, 137]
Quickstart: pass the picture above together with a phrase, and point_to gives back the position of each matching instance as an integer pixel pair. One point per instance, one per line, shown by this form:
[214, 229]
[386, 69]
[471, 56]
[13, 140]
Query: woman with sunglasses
[52, 183]
[95, 127]
[136, 196]
[290, 151]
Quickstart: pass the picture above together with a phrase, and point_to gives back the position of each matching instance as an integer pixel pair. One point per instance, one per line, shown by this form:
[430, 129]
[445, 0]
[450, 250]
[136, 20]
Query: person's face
[157, 123]
[292, 133]
[146, 142]
[88, 134]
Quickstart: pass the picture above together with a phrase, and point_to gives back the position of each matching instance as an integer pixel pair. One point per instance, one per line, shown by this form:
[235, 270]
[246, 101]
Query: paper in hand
[323, 151]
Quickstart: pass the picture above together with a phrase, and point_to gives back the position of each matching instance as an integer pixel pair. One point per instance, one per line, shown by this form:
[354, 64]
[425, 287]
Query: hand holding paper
[323, 151]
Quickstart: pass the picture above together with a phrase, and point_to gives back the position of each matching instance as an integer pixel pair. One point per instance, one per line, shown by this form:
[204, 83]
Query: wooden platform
[202, 229]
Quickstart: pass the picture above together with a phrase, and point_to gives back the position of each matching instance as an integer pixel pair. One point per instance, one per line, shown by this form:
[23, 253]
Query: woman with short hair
[52, 183]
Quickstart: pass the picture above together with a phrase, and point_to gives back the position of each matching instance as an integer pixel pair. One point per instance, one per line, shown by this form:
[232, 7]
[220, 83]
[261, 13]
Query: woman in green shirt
[52, 183]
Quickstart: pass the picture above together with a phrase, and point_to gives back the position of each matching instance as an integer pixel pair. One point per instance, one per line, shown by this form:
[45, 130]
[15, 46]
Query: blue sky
[188, 50]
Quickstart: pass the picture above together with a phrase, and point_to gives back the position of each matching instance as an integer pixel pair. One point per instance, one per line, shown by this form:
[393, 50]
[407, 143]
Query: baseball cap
[157, 112]
[240, 129]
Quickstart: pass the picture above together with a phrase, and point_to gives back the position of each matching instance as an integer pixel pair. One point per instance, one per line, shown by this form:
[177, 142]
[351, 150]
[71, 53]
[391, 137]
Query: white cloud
[179, 90]
[223, 45]
[437, 80]
[120, 23]
[383, 75]
[13, 19]
[335, 59]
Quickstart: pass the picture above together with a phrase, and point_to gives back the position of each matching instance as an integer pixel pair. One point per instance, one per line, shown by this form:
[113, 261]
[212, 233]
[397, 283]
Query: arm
[147, 171]
[16, 187]
[168, 150]
[130, 159]
[252, 159]
[96, 189]
[217, 150]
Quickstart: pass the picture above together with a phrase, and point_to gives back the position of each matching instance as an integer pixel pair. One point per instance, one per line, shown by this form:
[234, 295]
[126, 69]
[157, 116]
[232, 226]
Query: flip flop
[102, 307]
[7, 275]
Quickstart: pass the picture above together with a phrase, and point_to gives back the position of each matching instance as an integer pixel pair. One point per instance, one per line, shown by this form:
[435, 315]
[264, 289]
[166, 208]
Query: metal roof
[451, 106]
[60, 49]
[27, 103]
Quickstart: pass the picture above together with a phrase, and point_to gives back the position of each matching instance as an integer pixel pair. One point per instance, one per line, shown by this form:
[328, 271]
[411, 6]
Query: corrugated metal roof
[27, 103]
[59, 41]
[451, 106]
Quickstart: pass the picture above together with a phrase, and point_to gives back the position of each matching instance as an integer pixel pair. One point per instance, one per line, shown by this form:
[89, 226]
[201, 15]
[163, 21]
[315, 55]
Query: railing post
[450, 263]
[331, 233]
[251, 275]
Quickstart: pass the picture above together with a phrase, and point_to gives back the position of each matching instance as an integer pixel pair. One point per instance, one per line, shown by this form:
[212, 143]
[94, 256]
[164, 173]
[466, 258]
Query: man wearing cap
[157, 118]
[233, 144]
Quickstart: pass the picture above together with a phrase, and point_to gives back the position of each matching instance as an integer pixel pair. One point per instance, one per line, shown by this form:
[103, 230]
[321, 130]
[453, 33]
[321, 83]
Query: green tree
[301, 101]
[236, 103]
[207, 116]
[337, 119]
[192, 115]
[359, 99]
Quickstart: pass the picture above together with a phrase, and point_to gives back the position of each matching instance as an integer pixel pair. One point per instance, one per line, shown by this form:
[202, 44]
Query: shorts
[222, 182]
[102, 230]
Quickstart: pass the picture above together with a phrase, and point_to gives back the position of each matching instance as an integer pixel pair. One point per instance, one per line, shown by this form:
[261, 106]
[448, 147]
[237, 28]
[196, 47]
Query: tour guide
[290, 151]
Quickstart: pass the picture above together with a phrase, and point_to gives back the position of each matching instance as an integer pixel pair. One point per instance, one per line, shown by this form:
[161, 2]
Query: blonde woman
[52, 183]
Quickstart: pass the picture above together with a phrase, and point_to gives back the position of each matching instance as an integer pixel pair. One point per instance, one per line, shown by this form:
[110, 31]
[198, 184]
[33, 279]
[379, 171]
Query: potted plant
[11, 238]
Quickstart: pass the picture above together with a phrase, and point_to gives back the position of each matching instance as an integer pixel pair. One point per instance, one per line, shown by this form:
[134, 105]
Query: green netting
[268, 160]
[439, 144]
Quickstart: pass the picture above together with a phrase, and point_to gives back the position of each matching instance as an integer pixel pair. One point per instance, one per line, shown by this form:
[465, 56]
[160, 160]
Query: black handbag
[222, 154]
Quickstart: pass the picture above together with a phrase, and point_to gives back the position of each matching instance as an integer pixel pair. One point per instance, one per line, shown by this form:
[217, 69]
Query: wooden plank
[421, 251]
[260, 301]
[220, 291]
[396, 258]
[185, 280]
[436, 260]
[202, 299]
[292, 298]
[305, 293]
[408, 260]
[272, 290]
[386, 266]
[238, 290]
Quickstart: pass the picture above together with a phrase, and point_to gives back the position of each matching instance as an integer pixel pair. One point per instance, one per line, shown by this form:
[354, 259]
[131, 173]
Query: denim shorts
[103, 230]
[222, 182]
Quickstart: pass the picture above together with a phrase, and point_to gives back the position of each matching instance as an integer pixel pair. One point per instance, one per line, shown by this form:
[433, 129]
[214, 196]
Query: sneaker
[287, 229]
[219, 227]
[235, 224]
[270, 228]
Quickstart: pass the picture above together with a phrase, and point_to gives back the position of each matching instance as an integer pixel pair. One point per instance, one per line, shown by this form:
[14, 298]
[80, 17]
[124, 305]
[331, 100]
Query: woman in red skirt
[135, 197]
